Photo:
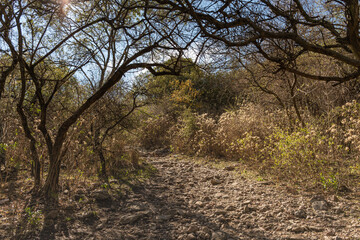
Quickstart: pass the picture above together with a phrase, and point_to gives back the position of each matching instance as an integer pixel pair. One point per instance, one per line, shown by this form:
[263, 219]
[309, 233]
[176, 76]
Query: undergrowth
[323, 154]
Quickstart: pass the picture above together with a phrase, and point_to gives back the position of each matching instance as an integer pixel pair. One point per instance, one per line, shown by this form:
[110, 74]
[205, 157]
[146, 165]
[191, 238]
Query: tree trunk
[35, 166]
[103, 172]
[99, 152]
[51, 186]
[2, 148]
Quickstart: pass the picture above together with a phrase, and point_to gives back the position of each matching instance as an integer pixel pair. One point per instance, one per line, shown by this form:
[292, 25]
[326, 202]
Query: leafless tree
[325, 29]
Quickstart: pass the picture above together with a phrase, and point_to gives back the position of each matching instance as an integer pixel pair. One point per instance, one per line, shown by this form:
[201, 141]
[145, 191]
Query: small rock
[301, 213]
[206, 230]
[90, 218]
[230, 208]
[218, 236]
[353, 210]
[338, 210]
[100, 226]
[203, 235]
[164, 218]
[317, 198]
[190, 237]
[101, 195]
[218, 195]
[221, 212]
[192, 229]
[344, 189]
[265, 183]
[334, 198]
[320, 205]
[133, 218]
[248, 209]
[330, 233]
[3, 201]
[229, 168]
[199, 203]
[215, 181]
[113, 181]
[5, 226]
[206, 199]
[316, 229]
[297, 229]
[245, 203]
[66, 191]
[52, 214]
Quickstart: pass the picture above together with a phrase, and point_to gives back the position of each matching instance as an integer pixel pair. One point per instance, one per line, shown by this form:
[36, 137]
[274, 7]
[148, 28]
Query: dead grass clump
[153, 132]
[242, 133]
[235, 135]
[194, 134]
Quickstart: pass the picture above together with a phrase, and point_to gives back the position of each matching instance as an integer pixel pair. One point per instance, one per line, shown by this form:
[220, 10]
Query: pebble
[320, 205]
[192, 229]
[218, 236]
[215, 181]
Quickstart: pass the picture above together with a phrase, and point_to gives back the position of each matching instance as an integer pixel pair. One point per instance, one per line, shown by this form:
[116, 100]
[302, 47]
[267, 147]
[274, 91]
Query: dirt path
[186, 200]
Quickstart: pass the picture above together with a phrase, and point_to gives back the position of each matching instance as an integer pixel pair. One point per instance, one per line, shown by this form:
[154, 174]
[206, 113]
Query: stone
[218, 195]
[199, 203]
[192, 229]
[66, 191]
[320, 205]
[317, 198]
[5, 226]
[218, 236]
[230, 208]
[163, 218]
[90, 218]
[297, 229]
[338, 210]
[203, 235]
[133, 218]
[247, 209]
[300, 213]
[53, 214]
[135, 208]
[190, 237]
[206, 198]
[215, 181]
[246, 203]
[330, 233]
[229, 168]
[220, 212]
[4, 201]
[101, 195]
[334, 198]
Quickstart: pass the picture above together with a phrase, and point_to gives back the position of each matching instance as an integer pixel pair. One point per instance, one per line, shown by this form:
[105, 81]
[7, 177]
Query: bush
[324, 153]
[153, 132]
[234, 135]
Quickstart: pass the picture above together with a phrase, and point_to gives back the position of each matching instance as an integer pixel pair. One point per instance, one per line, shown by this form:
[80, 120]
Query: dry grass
[323, 155]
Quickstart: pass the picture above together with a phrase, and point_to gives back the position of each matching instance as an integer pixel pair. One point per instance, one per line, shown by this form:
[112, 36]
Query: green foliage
[33, 217]
[196, 89]
[330, 183]
[301, 147]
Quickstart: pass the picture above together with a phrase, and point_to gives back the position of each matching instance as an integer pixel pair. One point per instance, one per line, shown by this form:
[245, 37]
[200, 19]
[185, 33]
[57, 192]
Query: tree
[283, 31]
[61, 37]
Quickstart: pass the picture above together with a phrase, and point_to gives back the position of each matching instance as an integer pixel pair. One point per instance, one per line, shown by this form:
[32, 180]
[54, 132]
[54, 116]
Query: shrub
[242, 133]
[153, 132]
[295, 153]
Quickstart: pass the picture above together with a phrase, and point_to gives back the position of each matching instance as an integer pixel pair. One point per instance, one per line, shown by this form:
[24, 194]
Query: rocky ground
[189, 200]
